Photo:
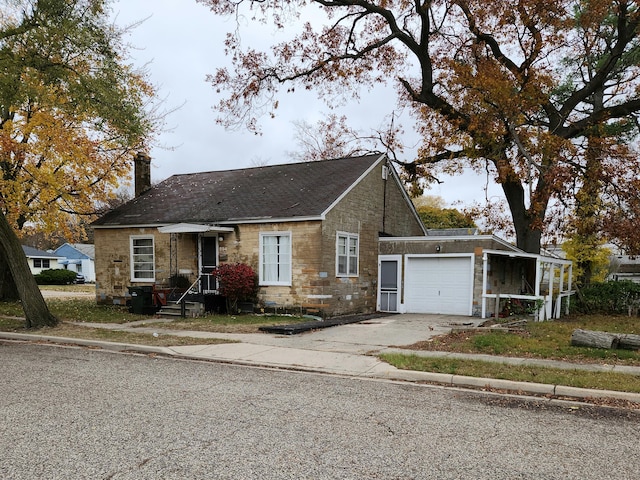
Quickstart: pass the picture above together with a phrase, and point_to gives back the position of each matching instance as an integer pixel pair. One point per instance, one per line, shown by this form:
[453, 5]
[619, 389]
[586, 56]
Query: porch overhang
[70, 262]
[193, 228]
[543, 264]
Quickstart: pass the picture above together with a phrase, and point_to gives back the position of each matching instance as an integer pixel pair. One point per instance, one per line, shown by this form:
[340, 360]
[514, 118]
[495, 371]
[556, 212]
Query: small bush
[606, 298]
[55, 277]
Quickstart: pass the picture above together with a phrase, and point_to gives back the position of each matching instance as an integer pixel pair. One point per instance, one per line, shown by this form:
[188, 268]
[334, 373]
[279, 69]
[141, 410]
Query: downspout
[385, 176]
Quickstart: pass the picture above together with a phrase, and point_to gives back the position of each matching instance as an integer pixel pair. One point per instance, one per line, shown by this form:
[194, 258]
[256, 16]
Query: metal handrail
[188, 289]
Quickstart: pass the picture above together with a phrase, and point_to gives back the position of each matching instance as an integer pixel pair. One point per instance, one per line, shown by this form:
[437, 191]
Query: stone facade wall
[243, 246]
[366, 211]
[375, 205]
[507, 276]
[399, 218]
[113, 260]
[441, 245]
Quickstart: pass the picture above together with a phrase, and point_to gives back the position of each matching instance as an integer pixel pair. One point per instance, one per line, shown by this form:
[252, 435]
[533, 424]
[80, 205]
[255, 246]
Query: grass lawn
[231, 323]
[86, 310]
[519, 373]
[84, 288]
[74, 331]
[547, 340]
[77, 310]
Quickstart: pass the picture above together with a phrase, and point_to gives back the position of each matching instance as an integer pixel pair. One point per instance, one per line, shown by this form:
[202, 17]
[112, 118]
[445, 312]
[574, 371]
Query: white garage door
[439, 285]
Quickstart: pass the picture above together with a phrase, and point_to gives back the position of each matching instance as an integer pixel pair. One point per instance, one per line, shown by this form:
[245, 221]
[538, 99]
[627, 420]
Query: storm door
[208, 261]
[389, 284]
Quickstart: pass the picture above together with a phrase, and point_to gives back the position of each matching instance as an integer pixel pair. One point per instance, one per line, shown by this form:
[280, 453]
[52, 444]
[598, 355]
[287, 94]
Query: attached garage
[440, 284]
[453, 273]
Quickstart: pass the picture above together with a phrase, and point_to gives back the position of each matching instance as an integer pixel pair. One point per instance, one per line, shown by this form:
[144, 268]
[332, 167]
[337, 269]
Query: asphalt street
[76, 413]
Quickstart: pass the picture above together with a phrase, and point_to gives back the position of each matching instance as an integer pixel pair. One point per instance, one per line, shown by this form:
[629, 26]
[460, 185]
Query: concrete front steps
[174, 310]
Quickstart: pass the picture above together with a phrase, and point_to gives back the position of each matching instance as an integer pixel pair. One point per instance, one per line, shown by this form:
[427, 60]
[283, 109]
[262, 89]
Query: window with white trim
[41, 263]
[142, 259]
[347, 247]
[275, 258]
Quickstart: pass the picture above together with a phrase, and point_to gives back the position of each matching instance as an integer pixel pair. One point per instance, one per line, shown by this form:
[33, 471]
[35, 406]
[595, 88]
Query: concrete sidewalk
[349, 350]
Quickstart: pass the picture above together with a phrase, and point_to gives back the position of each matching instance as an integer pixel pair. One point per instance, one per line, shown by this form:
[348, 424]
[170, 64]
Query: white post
[484, 285]
[569, 287]
[552, 277]
[537, 287]
[560, 294]
[538, 278]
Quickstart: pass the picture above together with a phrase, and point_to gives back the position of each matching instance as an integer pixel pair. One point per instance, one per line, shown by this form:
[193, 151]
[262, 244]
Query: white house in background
[79, 258]
[624, 267]
[40, 260]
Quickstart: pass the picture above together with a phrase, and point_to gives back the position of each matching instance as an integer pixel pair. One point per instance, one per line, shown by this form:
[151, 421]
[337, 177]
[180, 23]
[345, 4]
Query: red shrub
[236, 281]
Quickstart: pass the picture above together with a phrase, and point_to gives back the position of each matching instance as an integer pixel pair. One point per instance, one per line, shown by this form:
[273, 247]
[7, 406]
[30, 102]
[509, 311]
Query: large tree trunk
[593, 339]
[528, 227]
[8, 290]
[35, 309]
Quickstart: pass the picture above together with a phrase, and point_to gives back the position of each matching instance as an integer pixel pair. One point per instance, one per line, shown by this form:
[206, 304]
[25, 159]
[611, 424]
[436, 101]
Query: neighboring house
[309, 230]
[624, 267]
[78, 257]
[40, 260]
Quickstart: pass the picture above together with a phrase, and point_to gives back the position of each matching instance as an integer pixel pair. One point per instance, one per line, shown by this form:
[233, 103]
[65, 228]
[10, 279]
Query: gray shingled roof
[87, 249]
[31, 252]
[287, 191]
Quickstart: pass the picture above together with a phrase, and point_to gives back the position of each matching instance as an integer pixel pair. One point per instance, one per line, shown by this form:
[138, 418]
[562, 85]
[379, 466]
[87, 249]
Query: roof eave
[223, 223]
[243, 221]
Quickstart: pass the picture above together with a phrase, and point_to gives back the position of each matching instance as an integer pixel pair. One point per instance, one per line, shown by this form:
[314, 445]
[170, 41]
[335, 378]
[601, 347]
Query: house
[461, 272]
[335, 237]
[624, 267]
[78, 257]
[40, 260]
[309, 230]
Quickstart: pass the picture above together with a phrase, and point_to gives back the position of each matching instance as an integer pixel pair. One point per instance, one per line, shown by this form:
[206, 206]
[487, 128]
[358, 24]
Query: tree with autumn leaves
[72, 113]
[542, 96]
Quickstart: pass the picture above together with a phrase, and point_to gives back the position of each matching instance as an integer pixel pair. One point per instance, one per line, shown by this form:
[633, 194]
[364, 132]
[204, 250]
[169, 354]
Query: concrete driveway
[368, 336]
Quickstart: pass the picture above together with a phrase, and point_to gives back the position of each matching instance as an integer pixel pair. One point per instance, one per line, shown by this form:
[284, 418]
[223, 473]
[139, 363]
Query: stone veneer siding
[113, 260]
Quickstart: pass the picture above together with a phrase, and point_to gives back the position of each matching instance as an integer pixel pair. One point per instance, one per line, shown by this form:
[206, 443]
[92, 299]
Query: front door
[208, 261]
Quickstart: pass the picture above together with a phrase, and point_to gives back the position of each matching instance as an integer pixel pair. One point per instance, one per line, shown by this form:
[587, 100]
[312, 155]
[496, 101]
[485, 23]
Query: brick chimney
[141, 173]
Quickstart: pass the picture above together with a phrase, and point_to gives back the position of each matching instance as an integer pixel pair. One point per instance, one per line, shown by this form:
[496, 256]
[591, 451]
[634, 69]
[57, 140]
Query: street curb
[460, 381]
[112, 346]
[513, 386]
[510, 385]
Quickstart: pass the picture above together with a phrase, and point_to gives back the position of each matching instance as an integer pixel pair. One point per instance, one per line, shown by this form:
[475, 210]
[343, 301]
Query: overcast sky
[180, 42]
